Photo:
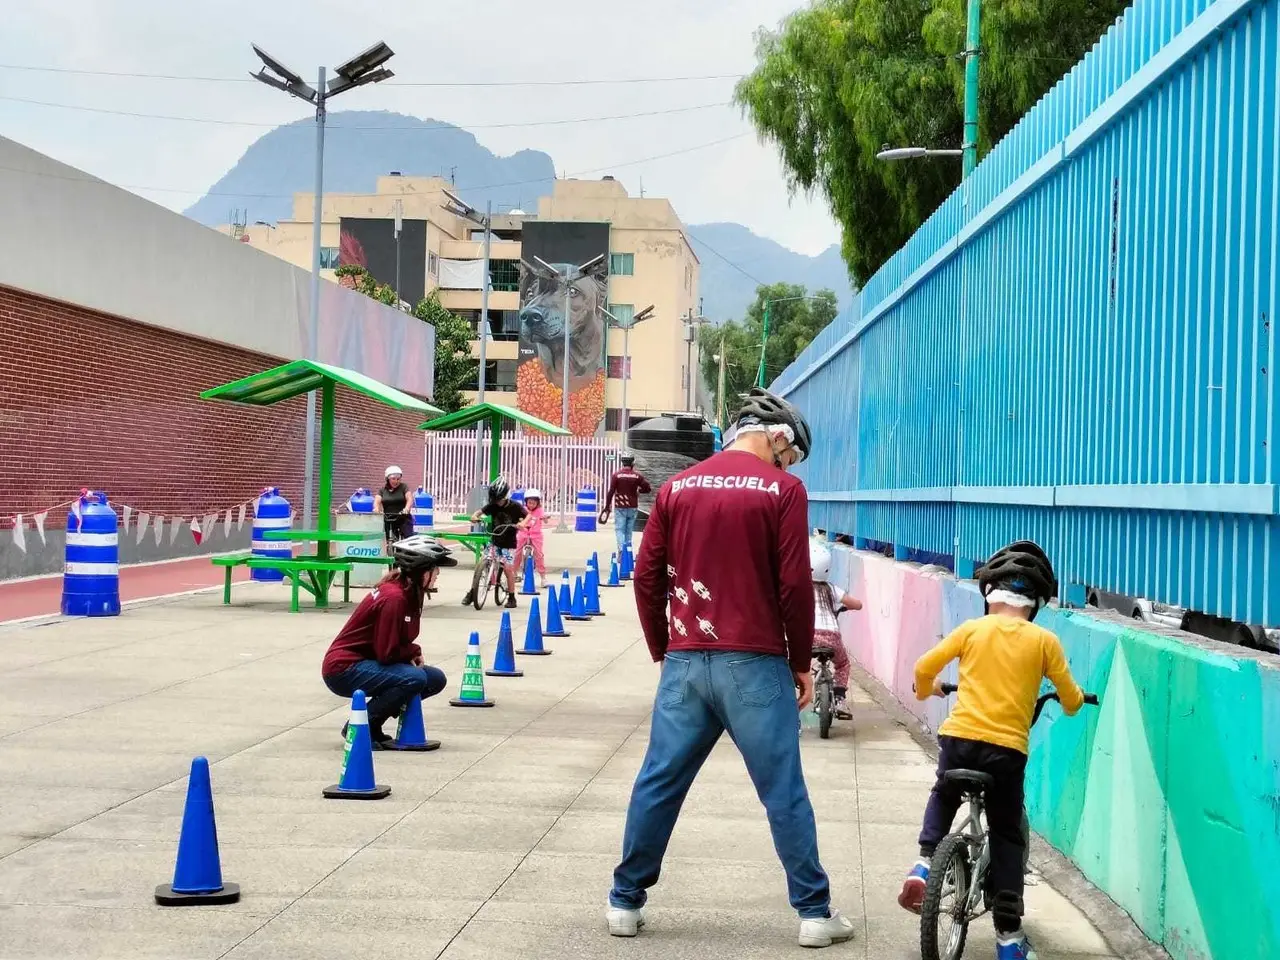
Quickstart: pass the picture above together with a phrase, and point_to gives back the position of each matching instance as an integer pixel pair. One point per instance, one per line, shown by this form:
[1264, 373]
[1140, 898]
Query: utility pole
[692, 324]
[399, 226]
[972, 41]
[720, 412]
[764, 343]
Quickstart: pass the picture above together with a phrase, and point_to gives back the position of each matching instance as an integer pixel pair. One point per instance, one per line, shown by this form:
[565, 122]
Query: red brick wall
[91, 400]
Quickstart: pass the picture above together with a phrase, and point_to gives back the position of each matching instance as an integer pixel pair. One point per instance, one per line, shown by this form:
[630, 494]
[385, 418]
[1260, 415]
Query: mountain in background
[361, 145]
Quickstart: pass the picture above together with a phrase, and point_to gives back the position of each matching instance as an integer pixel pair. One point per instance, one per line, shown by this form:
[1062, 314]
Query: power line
[753, 279]
[335, 123]
[277, 196]
[395, 83]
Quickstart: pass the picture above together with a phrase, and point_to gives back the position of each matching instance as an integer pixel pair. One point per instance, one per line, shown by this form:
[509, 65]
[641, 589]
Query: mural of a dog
[542, 321]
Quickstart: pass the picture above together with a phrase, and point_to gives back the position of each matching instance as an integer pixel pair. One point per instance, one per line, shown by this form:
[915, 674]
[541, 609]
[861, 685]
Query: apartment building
[651, 262]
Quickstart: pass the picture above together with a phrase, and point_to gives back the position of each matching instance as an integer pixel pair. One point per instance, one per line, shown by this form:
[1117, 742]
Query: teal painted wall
[1167, 796]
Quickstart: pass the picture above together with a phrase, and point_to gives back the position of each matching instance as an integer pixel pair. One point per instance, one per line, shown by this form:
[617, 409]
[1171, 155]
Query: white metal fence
[528, 460]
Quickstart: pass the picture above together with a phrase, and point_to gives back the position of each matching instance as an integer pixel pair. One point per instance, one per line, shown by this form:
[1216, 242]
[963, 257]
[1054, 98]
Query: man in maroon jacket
[625, 487]
[725, 597]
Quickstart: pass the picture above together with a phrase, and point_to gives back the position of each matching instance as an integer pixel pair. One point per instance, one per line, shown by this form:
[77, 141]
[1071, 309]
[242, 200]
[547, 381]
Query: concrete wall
[72, 238]
[1167, 796]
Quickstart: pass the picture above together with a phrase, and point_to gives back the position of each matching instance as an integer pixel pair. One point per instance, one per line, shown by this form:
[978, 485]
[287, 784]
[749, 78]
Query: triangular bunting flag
[226, 524]
[39, 520]
[143, 520]
[195, 531]
[75, 511]
[128, 512]
[159, 525]
[240, 520]
[19, 534]
[174, 526]
[206, 525]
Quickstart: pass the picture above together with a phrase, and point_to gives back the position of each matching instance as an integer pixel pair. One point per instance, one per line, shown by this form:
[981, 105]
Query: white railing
[451, 468]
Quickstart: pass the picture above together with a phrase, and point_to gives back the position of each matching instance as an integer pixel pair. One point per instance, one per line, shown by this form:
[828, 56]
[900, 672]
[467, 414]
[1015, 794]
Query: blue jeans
[388, 686]
[701, 694]
[624, 525]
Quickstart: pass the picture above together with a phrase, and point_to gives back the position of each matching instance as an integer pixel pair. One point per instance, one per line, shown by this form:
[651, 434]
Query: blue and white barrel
[91, 575]
[585, 521]
[518, 496]
[271, 512]
[423, 511]
[362, 501]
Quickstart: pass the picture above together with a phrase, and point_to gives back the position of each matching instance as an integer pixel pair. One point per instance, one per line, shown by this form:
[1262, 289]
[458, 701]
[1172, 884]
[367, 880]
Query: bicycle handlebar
[1089, 698]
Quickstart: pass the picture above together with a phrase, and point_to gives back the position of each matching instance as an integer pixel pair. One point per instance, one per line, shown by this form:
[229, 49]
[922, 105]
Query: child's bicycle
[957, 892]
[824, 690]
[489, 575]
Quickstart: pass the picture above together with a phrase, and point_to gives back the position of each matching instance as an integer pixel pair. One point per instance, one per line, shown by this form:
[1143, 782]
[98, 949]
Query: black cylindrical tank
[666, 445]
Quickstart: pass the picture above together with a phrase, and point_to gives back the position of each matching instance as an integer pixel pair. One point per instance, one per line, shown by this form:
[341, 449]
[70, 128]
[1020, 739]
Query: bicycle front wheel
[499, 585]
[480, 583]
[944, 914]
[826, 707]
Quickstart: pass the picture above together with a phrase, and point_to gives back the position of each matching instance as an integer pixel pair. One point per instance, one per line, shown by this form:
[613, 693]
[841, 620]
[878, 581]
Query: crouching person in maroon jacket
[728, 543]
[375, 651]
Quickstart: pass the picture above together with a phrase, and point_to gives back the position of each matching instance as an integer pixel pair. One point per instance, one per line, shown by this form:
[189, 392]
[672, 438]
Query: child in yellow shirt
[1003, 657]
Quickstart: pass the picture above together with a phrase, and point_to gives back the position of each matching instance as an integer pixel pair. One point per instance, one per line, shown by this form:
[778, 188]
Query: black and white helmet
[762, 408]
[499, 490]
[417, 554]
[628, 458]
[1022, 569]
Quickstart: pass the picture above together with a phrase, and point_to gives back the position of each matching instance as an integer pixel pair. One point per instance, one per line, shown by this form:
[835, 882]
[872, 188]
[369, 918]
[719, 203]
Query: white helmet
[393, 469]
[533, 493]
[819, 560]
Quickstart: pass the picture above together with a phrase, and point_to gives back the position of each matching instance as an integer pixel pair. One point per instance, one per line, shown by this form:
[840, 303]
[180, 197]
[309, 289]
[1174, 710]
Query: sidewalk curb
[40, 619]
[1118, 929]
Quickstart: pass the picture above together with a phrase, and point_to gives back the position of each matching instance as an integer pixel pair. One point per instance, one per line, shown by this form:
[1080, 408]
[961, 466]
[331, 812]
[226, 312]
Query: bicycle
[958, 871]
[489, 572]
[824, 692]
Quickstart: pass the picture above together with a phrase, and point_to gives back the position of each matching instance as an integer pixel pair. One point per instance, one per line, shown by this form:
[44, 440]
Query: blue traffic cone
[530, 586]
[579, 609]
[197, 876]
[472, 692]
[591, 592]
[533, 632]
[628, 563]
[594, 562]
[555, 626]
[504, 655]
[356, 781]
[411, 730]
[566, 596]
[613, 580]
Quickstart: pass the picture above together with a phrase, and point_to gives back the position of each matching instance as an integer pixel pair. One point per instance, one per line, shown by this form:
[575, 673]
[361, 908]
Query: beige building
[651, 262]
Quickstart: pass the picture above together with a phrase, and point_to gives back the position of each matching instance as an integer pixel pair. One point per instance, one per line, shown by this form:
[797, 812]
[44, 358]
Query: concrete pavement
[500, 844]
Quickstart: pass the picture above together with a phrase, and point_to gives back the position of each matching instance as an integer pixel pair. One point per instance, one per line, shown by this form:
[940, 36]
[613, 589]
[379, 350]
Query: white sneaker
[823, 933]
[623, 922]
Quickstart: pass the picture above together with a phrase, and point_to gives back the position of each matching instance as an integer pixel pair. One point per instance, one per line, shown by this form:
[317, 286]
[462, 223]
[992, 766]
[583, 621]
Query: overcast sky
[174, 162]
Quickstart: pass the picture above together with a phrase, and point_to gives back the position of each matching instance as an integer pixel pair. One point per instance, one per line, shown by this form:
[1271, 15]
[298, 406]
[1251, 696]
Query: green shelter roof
[302, 376]
[473, 414]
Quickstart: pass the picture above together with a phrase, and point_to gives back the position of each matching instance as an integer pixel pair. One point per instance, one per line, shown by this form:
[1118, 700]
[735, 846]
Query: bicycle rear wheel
[499, 585]
[480, 582]
[944, 914]
[826, 706]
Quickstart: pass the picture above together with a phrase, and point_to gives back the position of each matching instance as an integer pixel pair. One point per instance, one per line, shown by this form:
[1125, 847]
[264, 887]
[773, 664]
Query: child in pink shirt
[531, 533]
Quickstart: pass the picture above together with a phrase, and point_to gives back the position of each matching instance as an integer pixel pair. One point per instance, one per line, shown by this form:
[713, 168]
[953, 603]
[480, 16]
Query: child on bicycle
[530, 533]
[829, 601]
[506, 515]
[1003, 658]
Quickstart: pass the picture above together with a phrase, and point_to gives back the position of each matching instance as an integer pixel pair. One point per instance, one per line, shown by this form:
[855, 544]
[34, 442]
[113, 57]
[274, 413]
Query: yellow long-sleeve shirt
[1002, 660]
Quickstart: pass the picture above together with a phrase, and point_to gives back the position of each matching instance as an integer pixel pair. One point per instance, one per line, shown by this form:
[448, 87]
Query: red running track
[41, 597]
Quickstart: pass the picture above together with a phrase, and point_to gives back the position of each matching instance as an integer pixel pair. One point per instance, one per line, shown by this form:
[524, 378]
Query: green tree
[841, 78]
[455, 370]
[794, 320]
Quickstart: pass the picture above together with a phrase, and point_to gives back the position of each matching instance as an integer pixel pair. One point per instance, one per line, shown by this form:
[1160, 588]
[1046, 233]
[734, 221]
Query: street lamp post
[461, 209]
[571, 276]
[692, 324]
[625, 326]
[364, 68]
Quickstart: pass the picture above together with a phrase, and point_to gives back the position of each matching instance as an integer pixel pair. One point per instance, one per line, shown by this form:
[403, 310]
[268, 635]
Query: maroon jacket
[383, 628]
[625, 487]
[728, 541]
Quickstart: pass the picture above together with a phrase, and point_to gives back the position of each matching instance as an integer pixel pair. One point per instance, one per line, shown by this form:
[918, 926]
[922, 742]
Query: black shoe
[469, 599]
[511, 601]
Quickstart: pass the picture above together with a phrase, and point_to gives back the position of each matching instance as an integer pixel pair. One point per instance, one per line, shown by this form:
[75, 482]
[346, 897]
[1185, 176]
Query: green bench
[320, 574]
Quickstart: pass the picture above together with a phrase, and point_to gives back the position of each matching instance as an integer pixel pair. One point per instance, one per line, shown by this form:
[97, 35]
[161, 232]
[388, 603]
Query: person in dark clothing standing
[625, 487]
[506, 515]
[725, 597]
[392, 501]
[375, 650]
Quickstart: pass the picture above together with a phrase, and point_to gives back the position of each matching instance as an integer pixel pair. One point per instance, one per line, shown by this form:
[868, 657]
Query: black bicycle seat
[972, 781]
[823, 654]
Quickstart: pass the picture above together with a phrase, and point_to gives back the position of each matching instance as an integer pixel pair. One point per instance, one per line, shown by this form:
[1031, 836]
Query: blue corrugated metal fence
[1079, 346]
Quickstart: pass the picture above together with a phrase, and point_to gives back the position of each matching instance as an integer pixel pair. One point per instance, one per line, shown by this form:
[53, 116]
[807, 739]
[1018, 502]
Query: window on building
[433, 265]
[613, 418]
[622, 264]
[499, 376]
[624, 312]
[616, 368]
[505, 275]
[328, 258]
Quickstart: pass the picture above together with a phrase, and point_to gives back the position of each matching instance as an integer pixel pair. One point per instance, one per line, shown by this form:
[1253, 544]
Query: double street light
[625, 326]
[362, 69]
